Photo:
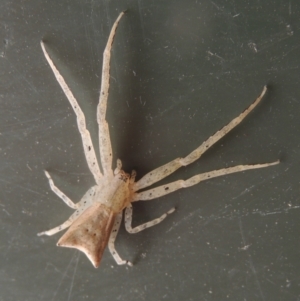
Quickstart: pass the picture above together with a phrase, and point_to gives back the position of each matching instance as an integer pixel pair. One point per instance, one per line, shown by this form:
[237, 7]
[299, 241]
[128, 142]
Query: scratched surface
[180, 71]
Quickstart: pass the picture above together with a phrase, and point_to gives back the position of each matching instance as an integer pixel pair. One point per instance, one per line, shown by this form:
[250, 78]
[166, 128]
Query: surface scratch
[64, 276]
[252, 267]
[73, 277]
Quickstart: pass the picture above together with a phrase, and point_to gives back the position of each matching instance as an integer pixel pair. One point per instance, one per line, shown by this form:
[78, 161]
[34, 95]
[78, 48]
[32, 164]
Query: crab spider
[98, 215]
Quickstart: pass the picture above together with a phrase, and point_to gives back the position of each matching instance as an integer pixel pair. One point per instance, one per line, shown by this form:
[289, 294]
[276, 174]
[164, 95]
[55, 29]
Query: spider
[98, 215]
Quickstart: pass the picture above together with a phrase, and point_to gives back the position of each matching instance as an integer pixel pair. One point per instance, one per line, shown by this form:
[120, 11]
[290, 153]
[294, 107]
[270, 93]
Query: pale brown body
[90, 232]
[98, 215]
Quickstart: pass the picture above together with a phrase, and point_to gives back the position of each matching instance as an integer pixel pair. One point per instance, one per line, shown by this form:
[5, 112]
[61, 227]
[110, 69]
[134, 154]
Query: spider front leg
[112, 238]
[85, 134]
[104, 138]
[165, 170]
[128, 220]
[171, 187]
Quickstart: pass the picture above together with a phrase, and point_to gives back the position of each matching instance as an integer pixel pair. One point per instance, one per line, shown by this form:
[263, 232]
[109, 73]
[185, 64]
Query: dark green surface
[180, 71]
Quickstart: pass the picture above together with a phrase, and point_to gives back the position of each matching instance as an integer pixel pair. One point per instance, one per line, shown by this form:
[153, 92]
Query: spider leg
[165, 170]
[128, 220]
[132, 176]
[59, 193]
[119, 167]
[61, 227]
[104, 138]
[168, 188]
[80, 208]
[85, 134]
[112, 238]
